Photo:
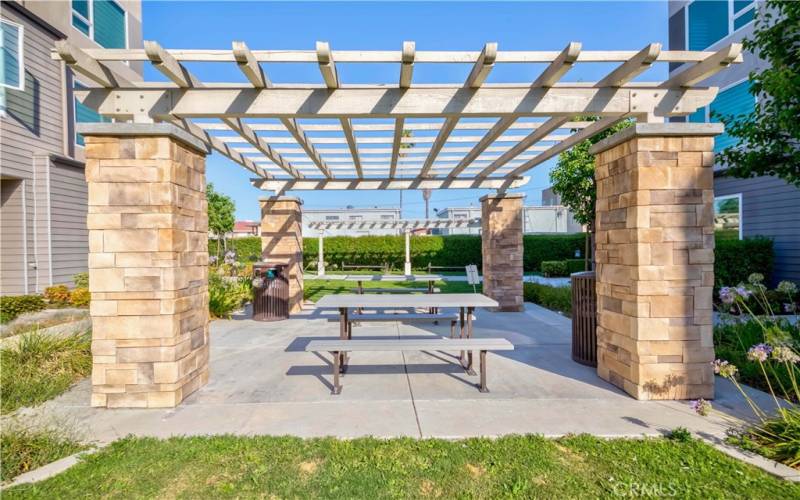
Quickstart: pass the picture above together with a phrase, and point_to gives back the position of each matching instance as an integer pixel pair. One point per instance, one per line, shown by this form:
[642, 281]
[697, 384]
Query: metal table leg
[470, 311]
[337, 387]
[482, 386]
[344, 329]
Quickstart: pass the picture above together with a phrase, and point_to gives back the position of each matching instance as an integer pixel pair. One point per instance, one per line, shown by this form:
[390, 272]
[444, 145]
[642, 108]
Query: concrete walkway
[263, 382]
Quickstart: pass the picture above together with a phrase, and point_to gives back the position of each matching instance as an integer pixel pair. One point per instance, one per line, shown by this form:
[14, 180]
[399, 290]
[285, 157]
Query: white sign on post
[472, 275]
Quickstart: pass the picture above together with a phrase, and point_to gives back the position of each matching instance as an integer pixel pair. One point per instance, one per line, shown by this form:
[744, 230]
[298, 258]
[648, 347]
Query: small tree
[573, 181]
[220, 214]
[769, 138]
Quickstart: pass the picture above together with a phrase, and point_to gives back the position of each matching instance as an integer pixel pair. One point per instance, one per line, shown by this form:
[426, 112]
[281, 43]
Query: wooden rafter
[632, 67]
[88, 66]
[244, 130]
[300, 136]
[347, 128]
[531, 139]
[396, 145]
[166, 63]
[407, 64]
[249, 66]
[559, 66]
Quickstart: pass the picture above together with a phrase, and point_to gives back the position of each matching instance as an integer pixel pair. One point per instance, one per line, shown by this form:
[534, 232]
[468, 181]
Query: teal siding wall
[736, 101]
[708, 23]
[109, 24]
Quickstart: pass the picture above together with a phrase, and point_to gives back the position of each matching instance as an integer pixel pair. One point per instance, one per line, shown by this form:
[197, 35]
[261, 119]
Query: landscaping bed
[514, 466]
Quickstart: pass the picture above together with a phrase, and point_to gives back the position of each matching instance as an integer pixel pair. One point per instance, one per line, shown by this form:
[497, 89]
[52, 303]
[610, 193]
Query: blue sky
[384, 26]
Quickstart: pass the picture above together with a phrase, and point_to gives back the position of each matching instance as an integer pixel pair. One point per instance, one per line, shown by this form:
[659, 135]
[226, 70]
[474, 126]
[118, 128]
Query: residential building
[550, 198]
[351, 214]
[764, 205]
[44, 195]
[245, 229]
[536, 219]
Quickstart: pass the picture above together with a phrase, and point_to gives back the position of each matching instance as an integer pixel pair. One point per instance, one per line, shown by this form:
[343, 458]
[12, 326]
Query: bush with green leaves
[557, 298]
[226, 295]
[81, 280]
[552, 268]
[12, 306]
[80, 297]
[57, 295]
[735, 260]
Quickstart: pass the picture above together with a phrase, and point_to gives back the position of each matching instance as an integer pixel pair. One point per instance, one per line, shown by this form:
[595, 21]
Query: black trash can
[270, 292]
[584, 318]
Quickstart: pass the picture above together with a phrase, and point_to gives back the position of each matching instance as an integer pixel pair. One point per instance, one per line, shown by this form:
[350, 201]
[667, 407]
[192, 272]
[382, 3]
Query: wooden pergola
[363, 135]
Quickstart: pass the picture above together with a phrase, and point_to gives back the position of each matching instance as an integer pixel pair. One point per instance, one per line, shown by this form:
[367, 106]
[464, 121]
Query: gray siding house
[765, 206]
[43, 236]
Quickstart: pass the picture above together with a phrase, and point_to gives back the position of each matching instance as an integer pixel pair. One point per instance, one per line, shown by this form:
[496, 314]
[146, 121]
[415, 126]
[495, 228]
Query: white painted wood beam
[483, 66]
[627, 71]
[499, 127]
[407, 64]
[326, 65]
[87, 66]
[164, 62]
[396, 144]
[574, 139]
[347, 127]
[300, 136]
[283, 185]
[244, 130]
[250, 66]
[531, 139]
[559, 66]
[712, 64]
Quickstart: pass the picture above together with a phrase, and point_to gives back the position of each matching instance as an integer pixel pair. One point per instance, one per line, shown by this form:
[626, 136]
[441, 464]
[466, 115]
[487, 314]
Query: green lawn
[515, 466]
[316, 289]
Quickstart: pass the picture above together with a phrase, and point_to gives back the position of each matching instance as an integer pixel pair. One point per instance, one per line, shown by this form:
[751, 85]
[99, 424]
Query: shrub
[26, 448]
[57, 294]
[226, 295]
[80, 297]
[735, 260]
[14, 305]
[557, 298]
[540, 247]
[81, 280]
[39, 367]
[554, 268]
[575, 265]
[246, 249]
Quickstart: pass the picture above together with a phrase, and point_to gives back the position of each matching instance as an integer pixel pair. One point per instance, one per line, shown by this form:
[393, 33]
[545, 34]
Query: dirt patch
[309, 467]
[476, 471]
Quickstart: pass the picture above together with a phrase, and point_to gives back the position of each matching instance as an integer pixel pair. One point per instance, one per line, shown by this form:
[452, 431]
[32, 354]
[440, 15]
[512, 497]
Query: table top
[422, 300]
[379, 277]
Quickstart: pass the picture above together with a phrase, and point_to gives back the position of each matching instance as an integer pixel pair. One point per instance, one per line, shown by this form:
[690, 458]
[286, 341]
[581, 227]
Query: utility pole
[426, 195]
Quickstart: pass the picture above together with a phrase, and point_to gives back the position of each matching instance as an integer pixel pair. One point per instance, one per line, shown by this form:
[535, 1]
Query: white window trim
[729, 197]
[90, 21]
[731, 18]
[21, 52]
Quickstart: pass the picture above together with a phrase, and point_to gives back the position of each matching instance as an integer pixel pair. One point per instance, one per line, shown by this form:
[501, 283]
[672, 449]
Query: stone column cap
[501, 196]
[675, 129]
[280, 198]
[143, 130]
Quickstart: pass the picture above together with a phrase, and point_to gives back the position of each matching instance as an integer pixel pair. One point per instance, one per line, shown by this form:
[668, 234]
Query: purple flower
[701, 407]
[743, 292]
[727, 295]
[785, 354]
[759, 352]
[790, 308]
[724, 368]
[212, 260]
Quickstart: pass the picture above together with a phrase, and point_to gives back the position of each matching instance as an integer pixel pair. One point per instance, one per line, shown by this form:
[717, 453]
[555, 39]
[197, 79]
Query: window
[387, 217]
[104, 21]
[12, 68]
[735, 100]
[355, 217]
[728, 217]
[709, 21]
[85, 114]
[331, 217]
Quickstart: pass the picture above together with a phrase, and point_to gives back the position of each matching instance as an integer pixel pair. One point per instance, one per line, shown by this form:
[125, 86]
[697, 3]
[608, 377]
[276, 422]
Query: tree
[573, 181]
[769, 138]
[220, 214]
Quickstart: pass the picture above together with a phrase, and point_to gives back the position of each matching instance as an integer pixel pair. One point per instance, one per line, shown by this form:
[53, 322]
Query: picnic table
[359, 279]
[464, 302]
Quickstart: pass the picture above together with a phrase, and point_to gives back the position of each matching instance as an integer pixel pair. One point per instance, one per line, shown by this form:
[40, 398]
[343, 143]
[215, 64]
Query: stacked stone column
[501, 246]
[148, 264]
[282, 242]
[655, 260]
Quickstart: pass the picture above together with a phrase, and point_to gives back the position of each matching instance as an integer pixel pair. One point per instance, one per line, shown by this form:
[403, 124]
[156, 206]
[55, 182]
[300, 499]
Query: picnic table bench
[338, 347]
[405, 317]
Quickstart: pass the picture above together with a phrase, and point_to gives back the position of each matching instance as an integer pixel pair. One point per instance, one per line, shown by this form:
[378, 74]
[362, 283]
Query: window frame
[732, 17]
[741, 206]
[90, 21]
[21, 59]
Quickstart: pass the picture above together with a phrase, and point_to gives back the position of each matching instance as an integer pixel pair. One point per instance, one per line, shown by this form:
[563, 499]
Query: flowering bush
[771, 362]
[57, 295]
[80, 297]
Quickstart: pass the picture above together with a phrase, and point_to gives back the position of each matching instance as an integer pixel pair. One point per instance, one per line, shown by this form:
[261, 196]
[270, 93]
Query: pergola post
[407, 266]
[321, 254]
[282, 242]
[501, 246]
[655, 259]
[148, 263]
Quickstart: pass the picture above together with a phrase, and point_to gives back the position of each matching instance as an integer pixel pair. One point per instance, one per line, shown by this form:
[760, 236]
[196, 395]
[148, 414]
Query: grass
[316, 289]
[39, 367]
[23, 449]
[555, 298]
[514, 466]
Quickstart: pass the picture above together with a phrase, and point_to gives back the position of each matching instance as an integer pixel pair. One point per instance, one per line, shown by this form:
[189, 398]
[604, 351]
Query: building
[351, 214]
[550, 198]
[44, 195]
[550, 219]
[245, 229]
[766, 206]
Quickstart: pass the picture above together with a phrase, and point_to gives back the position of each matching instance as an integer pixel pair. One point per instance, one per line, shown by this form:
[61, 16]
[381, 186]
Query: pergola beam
[633, 67]
[341, 184]
[532, 138]
[407, 64]
[249, 66]
[559, 66]
[300, 136]
[394, 224]
[244, 130]
[164, 62]
[347, 128]
[396, 145]
[87, 66]
[712, 64]
[499, 127]
[326, 65]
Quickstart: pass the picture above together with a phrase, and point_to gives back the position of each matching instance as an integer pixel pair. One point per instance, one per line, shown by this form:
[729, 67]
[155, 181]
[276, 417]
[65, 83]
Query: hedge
[12, 306]
[552, 297]
[735, 259]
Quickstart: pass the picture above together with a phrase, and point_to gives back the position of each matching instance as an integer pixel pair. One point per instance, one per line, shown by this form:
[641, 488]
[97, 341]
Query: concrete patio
[263, 382]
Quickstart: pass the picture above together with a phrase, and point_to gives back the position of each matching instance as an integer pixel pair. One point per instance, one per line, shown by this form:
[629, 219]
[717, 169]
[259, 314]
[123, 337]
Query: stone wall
[655, 260]
[282, 241]
[148, 266]
[501, 245]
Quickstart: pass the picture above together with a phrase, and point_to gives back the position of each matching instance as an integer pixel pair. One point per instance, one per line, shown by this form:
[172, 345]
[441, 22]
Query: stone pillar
[282, 241]
[148, 263]
[501, 245]
[655, 259]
